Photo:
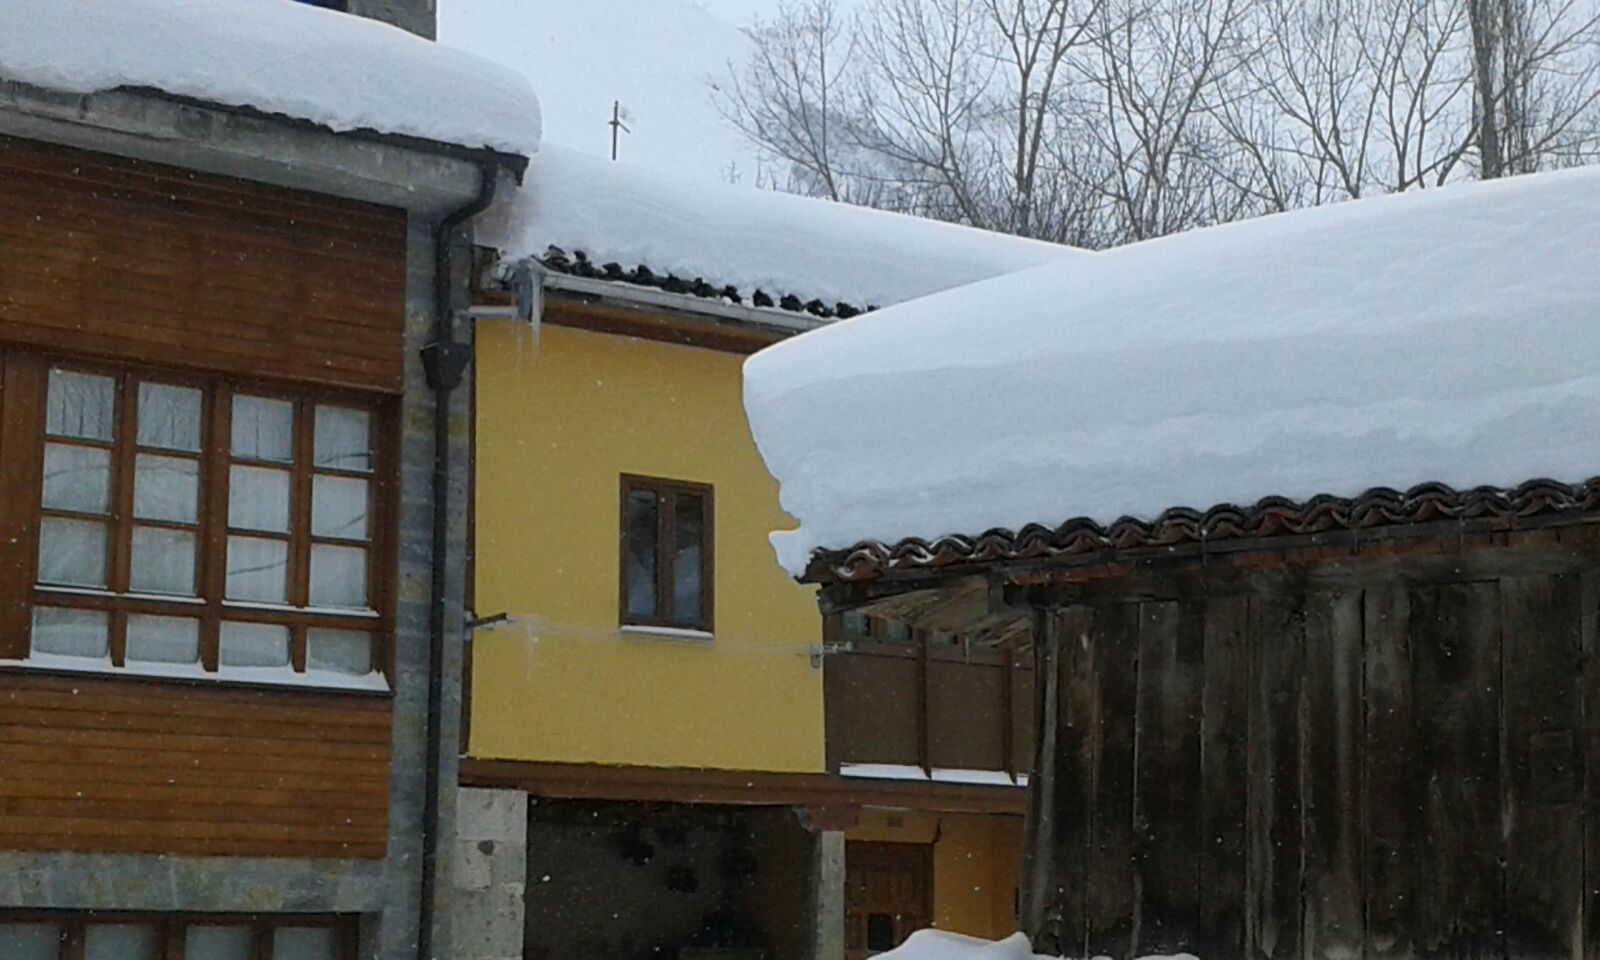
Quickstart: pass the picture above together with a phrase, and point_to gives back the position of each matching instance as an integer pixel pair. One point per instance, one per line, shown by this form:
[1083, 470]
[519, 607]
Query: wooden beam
[578, 781]
[661, 326]
[1038, 880]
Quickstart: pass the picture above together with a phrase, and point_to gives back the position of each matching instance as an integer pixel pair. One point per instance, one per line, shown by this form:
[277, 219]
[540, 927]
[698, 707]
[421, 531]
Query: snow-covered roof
[276, 56]
[745, 238]
[1448, 336]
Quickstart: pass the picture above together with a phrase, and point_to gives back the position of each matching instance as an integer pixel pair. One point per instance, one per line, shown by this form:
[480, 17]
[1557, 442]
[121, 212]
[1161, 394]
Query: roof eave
[1276, 523]
[782, 321]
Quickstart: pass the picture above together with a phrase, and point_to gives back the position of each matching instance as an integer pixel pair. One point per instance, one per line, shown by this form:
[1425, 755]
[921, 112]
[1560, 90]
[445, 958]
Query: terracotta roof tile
[579, 264]
[1272, 517]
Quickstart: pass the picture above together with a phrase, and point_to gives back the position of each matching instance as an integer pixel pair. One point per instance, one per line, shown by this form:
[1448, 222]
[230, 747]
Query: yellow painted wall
[559, 419]
[977, 865]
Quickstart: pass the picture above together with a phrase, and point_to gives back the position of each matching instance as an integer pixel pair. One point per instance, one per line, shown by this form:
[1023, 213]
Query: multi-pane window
[192, 523]
[60, 936]
[666, 546]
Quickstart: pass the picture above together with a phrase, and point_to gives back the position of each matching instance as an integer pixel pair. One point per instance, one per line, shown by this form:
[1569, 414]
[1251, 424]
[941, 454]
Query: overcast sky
[740, 12]
[657, 57]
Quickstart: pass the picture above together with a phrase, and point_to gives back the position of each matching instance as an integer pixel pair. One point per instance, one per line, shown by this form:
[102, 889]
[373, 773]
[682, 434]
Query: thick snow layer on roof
[1449, 335]
[747, 238]
[277, 56]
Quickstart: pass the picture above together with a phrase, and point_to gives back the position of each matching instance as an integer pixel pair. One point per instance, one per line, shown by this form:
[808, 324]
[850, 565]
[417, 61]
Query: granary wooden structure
[1341, 710]
[1362, 727]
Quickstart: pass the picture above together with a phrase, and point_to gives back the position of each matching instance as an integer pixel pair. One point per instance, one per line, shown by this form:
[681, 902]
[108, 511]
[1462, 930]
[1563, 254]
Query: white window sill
[312, 679]
[676, 634]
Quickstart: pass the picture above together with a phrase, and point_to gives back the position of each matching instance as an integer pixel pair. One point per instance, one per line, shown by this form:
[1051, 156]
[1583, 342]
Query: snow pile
[1448, 335]
[654, 56]
[751, 239]
[277, 56]
[938, 945]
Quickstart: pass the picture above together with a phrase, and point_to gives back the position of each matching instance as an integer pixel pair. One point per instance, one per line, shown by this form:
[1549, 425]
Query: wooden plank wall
[872, 703]
[1364, 772]
[136, 261]
[127, 766]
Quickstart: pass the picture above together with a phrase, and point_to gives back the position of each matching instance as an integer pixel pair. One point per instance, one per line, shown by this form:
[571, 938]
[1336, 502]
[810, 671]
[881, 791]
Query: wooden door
[888, 895]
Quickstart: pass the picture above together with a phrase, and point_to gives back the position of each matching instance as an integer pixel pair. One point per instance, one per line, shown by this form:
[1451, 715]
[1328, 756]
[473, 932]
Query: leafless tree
[1536, 79]
[1098, 122]
[785, 98]
[1158, 69]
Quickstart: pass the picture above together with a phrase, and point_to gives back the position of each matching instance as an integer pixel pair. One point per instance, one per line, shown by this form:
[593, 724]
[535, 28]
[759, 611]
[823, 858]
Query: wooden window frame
[666, 492]
[172, 927]
[24, 381]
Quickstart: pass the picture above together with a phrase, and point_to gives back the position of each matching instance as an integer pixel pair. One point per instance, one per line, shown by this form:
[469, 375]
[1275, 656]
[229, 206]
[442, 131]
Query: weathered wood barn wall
[1378, 751]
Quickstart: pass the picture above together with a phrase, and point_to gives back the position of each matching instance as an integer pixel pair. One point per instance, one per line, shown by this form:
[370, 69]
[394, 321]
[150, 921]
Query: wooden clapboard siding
[125, 765]
[1276, 764]
[136, 261]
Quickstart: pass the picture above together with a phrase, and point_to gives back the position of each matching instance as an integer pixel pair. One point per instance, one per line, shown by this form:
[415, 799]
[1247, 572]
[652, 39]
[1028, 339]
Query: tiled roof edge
[1272, 517]
[580, 264]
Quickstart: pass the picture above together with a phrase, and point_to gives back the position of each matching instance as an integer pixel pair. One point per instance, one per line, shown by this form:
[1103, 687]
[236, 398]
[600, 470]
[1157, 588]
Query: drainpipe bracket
[444, 362]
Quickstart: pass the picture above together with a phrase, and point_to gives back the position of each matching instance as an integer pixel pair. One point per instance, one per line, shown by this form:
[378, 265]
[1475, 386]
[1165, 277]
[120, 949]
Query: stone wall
[489, 872]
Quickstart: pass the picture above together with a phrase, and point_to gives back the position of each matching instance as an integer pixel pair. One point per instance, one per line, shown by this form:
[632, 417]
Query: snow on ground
[1447, 335]
[938, 945]
[655, 57]
[277, 56]
[746, 237]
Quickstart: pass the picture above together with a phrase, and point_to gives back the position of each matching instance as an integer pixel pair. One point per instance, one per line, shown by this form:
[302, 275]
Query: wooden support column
[1008, 708]
[1038, 880]
[924, 721]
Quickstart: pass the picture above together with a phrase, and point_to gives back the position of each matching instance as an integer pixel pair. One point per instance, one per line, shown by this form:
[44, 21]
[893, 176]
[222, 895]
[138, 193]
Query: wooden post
[1039, 850]
[924, 720]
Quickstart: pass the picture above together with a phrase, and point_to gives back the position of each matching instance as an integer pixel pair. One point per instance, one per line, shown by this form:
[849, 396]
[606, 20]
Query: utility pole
[616, 125]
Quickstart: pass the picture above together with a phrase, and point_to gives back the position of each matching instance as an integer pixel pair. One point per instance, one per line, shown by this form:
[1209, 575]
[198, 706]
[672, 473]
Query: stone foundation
[488, 874]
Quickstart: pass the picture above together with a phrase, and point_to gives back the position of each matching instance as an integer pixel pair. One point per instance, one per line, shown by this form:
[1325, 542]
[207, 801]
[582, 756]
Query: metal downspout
[444, 361]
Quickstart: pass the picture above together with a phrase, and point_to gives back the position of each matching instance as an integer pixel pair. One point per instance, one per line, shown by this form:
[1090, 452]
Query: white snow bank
[1448, 335]
[748, 238]
[277, 56]
[939, 945]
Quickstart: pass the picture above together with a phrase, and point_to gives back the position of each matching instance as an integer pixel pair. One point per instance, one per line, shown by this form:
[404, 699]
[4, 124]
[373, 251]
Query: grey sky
[657, 57]
[738, 12]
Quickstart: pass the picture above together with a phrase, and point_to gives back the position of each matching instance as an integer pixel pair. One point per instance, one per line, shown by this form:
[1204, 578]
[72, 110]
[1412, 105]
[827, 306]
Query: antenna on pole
[616, 125]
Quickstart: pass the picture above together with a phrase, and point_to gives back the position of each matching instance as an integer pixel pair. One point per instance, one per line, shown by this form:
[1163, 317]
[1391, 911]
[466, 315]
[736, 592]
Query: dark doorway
[888, 895]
